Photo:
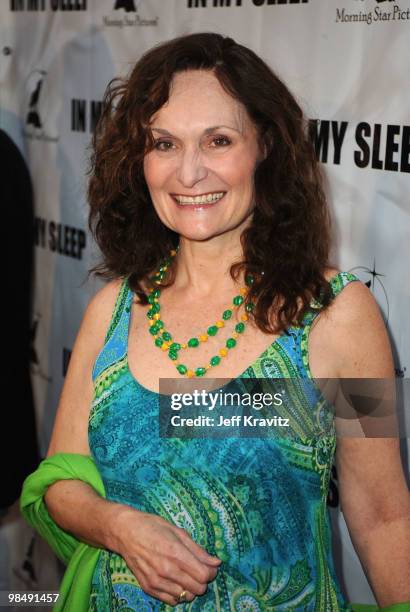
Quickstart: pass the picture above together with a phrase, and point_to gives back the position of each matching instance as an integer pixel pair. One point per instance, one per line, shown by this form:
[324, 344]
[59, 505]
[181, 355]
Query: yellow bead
[244, 317]
[203, 337]
[151, 322]
[173, 253]
[190, 373]
[184, 345]
[156, 316]
[223, 352]
[220, 324]
[176, 363]
[243, 290]
[165, 346]
[155, 299]
[235, 335]
[208, 366]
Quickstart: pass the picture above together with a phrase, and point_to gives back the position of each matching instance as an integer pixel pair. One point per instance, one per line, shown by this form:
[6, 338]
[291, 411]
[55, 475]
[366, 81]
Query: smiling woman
[200, 178]
[207, 204]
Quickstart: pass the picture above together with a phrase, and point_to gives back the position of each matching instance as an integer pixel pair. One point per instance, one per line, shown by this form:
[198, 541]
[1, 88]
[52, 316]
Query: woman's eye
[221, 140]
[158, 143]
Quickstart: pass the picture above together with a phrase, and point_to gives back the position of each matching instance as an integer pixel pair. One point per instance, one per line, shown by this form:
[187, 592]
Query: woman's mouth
[205, 200]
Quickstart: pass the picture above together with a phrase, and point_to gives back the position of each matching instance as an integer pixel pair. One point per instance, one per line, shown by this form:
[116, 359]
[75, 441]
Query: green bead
[193, 342]
[175, 346]
[182, 369]
[249, 307]
[151, 299]
[172, 355]
[159, 324]
[239, 327]
[200, 371]
[230, 343]
[150, 314]
[226, 314]
[153, 330]
[249, 280]
[159, 341]
[215, 360]
[237, 300]
[155, 307]
[167, 336]
[156, 292]
[213, 330]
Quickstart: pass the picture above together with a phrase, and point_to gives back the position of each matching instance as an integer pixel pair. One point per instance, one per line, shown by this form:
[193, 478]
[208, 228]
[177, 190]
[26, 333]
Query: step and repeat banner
[346, 61]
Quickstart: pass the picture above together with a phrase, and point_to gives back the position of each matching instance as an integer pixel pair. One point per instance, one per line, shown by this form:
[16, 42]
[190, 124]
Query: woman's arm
[374, 497]
[164, 558]
[72, 504]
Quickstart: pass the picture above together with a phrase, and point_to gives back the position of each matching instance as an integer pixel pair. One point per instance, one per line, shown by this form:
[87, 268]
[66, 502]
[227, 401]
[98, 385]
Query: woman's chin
[198, 233]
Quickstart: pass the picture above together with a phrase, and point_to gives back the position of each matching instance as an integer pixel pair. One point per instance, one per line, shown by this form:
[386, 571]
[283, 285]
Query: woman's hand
[164, 558]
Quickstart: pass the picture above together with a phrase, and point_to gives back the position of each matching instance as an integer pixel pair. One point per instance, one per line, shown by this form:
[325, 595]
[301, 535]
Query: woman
[201, 161]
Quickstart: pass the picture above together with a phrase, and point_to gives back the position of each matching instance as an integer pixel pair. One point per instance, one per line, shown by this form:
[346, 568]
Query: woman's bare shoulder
[354, 303]
[353, 325]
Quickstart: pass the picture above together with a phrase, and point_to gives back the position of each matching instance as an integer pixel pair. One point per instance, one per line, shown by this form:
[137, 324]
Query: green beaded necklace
[163, 339]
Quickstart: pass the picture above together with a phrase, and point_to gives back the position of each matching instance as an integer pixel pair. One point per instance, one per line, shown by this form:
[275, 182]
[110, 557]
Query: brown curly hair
[289, 235]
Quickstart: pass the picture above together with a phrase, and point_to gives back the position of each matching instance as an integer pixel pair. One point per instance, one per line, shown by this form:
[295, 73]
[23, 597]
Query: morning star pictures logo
[130, 13]
[36, 107]
[376, 11]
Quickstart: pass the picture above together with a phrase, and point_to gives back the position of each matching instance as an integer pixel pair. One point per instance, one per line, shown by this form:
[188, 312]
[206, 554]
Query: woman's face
[205, 147]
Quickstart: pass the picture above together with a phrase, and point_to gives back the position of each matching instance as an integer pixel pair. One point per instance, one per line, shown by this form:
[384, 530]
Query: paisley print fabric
[257, 503]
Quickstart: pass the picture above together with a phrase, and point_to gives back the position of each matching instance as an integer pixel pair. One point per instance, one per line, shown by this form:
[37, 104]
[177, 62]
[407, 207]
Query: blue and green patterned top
[259, 504]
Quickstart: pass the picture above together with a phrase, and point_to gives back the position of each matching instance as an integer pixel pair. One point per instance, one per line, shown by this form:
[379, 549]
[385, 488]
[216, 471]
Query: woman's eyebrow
[207, 131]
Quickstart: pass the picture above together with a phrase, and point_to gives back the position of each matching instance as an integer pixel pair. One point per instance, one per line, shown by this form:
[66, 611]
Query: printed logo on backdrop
[43, 5]
[35, 361]
[85, 114]
[373, 11]
[66, 360]
[235, 3]
[377, 146]
[36, 107]
[58, 238]
[130, 13]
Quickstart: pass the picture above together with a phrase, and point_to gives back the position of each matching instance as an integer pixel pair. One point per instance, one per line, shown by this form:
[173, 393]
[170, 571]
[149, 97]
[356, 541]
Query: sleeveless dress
[259, 504]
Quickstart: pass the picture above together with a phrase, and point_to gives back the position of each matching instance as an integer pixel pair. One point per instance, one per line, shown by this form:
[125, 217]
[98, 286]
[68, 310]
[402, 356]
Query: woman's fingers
[197, 550]
[165, 560]
[169, 599]
[179, 565]
[166, 590]
[173, 575]
[175, 589]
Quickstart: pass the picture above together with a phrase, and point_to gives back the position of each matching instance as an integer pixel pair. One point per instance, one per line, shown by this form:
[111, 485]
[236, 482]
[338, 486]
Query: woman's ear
[264, 148]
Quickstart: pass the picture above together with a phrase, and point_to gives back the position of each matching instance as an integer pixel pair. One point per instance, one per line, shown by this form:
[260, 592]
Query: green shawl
[80, 557]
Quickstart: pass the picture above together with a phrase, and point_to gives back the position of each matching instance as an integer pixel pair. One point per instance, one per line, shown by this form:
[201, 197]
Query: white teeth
[202, 199]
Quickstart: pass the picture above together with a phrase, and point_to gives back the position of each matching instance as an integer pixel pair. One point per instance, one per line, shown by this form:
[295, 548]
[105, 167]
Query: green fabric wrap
[79, 557]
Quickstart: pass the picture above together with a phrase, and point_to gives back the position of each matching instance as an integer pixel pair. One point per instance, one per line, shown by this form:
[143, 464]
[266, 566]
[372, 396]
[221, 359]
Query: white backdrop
[347, 62]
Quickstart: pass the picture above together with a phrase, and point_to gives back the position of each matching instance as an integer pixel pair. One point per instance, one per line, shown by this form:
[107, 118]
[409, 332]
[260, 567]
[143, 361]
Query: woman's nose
[191, 168]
